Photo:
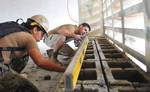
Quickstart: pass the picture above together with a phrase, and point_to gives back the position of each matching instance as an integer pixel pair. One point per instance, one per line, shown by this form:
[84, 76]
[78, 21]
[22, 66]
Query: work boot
[66, 50]
[56, 60]
[50, 52]
[53, 55]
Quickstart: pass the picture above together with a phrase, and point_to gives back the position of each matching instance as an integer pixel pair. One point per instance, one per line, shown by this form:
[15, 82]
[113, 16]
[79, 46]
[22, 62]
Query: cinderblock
[90, 88]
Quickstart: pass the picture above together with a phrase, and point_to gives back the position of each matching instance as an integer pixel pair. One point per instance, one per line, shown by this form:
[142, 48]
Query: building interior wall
[90, 11]
[125, 22]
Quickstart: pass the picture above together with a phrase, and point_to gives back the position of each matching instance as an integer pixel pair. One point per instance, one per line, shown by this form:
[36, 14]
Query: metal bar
[147, 26]
[134, 9]
[134, 53]
[131, 10]
[72, 72]
[122, 23]
[140, 33]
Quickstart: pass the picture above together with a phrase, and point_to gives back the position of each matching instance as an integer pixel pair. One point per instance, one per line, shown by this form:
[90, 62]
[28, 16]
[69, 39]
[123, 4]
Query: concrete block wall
[91, 78]
[129, 89]
[90, 88]
[122, 75]
[109, 74]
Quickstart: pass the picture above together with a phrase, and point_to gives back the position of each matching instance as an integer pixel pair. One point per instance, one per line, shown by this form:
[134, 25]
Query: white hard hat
[40, 21]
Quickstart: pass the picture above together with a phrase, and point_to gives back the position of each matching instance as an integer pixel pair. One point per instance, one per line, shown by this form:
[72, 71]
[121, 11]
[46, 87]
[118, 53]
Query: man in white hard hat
[17, 42]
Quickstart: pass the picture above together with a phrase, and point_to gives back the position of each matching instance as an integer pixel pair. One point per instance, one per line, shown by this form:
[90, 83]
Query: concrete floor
[37, 76]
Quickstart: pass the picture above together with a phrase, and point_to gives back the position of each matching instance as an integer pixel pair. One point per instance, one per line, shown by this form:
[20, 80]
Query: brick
[90, 88]
[129, 89]
[126, 77]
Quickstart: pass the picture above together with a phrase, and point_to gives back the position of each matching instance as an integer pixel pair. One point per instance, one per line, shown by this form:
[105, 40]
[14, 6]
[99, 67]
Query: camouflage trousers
[11, 81]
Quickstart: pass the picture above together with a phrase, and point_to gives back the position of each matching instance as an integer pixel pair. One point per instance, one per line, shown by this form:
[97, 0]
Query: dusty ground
[37, 77]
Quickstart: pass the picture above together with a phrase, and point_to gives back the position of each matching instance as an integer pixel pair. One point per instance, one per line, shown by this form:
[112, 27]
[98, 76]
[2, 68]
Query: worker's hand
[77, 42]
[83, 35]
[79, 38]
